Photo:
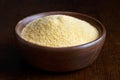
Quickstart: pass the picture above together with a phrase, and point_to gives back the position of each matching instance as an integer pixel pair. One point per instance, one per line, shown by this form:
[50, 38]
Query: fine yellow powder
[59, 31]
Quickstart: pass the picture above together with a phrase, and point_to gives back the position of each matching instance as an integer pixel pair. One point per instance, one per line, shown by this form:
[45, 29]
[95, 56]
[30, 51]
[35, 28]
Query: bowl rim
[101, 36]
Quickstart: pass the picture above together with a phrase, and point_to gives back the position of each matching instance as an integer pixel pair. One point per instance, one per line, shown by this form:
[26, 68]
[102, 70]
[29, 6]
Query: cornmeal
[59, 31]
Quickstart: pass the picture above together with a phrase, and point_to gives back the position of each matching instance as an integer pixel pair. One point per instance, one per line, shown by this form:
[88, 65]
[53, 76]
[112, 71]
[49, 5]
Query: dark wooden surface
[13, 67]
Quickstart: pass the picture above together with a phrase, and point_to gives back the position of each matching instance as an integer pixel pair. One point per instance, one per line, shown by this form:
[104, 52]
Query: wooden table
[13, 67]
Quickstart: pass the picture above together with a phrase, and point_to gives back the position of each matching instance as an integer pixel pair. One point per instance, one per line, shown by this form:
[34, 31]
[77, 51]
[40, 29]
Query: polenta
[59, 31]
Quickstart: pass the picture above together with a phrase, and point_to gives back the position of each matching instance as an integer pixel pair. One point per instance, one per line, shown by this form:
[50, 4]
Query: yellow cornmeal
[59, 31]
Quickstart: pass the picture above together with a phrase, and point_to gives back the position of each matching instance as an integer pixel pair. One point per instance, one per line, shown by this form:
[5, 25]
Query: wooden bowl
[65, 58]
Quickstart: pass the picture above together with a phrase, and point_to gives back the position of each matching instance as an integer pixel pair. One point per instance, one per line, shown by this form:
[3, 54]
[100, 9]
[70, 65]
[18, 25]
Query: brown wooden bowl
[65, 58]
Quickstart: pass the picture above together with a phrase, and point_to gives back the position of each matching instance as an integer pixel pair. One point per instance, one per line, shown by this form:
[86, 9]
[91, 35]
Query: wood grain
[13, 67]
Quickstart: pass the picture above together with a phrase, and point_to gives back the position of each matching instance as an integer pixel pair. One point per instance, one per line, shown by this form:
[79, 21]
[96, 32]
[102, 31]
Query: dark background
[13, 67]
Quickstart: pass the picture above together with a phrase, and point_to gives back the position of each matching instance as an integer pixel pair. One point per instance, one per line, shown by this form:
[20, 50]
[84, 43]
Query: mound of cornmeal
[59, 31]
